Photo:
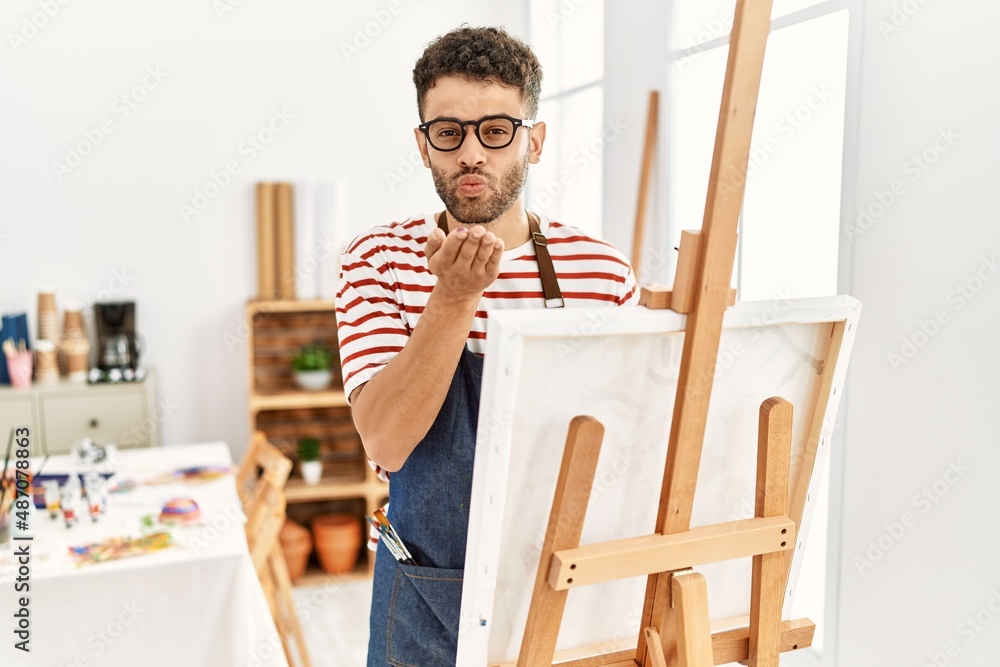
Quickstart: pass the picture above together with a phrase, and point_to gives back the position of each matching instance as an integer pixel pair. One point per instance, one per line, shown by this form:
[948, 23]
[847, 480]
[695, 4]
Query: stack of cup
[48, 315]
[75, 346]
[46, 355]
[46, 362]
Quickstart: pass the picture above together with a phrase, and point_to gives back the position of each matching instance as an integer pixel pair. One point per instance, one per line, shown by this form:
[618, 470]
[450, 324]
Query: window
[568, 38]
[789, 229]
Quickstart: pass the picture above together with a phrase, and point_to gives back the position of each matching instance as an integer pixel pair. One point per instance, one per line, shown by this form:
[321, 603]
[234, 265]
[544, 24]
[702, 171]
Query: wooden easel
[675, 622]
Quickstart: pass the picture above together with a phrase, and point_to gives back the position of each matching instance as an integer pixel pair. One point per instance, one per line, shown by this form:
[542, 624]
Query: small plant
[315, 357]
[308, 449]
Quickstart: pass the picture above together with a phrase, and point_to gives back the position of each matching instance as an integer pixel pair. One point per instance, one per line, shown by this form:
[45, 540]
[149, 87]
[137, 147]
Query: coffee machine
[118, 343]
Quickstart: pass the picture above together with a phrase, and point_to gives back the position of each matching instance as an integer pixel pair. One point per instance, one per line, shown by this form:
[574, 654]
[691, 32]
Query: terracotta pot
[296, 543]
[338, 539]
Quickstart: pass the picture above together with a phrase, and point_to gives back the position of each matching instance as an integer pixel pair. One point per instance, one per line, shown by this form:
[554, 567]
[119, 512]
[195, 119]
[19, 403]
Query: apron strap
[547, 273]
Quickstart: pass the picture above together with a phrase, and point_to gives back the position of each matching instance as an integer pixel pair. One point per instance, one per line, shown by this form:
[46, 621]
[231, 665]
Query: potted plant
[309, 464]
[312, 367]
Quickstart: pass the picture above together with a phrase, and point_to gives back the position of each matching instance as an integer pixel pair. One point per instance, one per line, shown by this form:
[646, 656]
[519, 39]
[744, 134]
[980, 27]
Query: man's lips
[471, 185]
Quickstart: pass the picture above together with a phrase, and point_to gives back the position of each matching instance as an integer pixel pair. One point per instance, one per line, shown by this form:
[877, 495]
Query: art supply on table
[392, 538]
[91, 454]
[97, 495]
[196, 475]
[120, 547]
[68, 507]
[69, 500]
[52, 497]
[180, 510]
[4, 500]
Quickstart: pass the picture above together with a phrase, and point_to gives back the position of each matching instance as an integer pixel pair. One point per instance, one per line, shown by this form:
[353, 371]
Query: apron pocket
[422, 628]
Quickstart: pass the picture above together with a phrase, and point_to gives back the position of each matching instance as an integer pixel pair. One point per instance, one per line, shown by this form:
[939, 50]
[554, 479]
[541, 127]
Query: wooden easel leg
[774, 445]
[569, 507]
[290, 620]
[694, 634]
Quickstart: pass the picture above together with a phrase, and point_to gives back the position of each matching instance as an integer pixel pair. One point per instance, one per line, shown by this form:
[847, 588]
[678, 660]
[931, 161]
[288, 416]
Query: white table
[197, 604]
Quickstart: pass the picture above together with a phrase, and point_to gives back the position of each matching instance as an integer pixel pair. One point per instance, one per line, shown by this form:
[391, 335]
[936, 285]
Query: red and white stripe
[385, 284]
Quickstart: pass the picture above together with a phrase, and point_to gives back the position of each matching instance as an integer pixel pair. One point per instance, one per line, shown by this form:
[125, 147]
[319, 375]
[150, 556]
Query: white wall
[117, 214]
[906, 426]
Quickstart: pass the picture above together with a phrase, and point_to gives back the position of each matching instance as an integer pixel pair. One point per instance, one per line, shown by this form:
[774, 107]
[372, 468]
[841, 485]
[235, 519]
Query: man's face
[478, 184]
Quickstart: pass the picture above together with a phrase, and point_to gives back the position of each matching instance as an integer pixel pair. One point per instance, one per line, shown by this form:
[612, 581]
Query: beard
[503, 192]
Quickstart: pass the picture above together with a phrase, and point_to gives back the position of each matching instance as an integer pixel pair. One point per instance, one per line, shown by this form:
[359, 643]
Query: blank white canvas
[620, 366]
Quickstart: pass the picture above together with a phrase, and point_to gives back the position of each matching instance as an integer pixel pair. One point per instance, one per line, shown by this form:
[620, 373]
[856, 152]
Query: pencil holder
[19, 369]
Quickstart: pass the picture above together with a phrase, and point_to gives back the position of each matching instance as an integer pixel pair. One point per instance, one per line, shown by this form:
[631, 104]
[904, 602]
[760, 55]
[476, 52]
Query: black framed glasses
[447, 134]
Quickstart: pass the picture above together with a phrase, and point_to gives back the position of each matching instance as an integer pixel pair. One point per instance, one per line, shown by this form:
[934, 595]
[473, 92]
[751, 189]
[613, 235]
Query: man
[412, 310]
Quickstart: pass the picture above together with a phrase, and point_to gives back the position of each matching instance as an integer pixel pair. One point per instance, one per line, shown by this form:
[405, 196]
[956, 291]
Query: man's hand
[465, 262]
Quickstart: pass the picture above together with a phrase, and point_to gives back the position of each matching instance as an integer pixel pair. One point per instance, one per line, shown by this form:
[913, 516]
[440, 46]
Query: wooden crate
[341, 450]
[304, 512]
[277, 338]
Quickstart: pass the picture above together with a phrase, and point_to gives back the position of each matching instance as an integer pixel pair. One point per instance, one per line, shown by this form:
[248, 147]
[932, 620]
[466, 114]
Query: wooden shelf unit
[315, 576]
[298, 399]
[275, 332]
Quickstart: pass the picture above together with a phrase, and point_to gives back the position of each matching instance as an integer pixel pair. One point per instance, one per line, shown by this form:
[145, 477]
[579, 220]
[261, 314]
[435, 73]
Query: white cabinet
[63, 413]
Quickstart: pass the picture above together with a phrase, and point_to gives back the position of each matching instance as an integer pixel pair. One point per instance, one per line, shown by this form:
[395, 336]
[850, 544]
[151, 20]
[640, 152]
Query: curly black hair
[480, 53]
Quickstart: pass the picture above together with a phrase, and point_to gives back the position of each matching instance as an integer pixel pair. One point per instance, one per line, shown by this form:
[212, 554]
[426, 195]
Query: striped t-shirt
[385, 283]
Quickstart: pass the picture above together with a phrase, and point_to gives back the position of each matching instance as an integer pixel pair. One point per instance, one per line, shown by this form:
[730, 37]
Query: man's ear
[422, 146]
[536, 138]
